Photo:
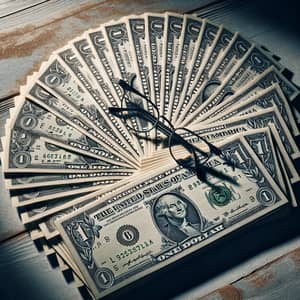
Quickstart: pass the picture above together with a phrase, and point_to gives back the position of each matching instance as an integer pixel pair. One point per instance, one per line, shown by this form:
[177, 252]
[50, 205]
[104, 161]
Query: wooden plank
[10, 7]
[234, 274]
[277, 280]
[23, 49]
[39, 13]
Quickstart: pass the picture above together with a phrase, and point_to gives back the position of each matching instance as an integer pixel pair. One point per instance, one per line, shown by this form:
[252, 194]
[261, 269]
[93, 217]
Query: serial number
[57, 156]
[135, 249]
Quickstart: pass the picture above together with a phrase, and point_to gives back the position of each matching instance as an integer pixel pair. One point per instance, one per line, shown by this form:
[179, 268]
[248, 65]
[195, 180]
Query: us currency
[285, 162]
[263, 81]
[296, 113]
[254, 63]
[235, 52]
[260, 141]
[24, 197]
[70, 116]
[36, 234]
[102, 97]
[27, 149]
[28, 116]
[209, 36]
[105, 60]
[173, 36]
[38, 211]
[154, 163]
[96, 197]
[270, 97]
[289, 185]
[116, 38]
[21, 181]
[218, 131]
[58, 107]
[88, 54]
[155, 33]
[219, 46]
[65, 85]
[47, 222]
[137, 38]
[290, 166]
[62, 261]
[29, 153]
[135, 231]
[54, 209]
[192, 32]
[34, 128]
[154, 30]
[63, 252]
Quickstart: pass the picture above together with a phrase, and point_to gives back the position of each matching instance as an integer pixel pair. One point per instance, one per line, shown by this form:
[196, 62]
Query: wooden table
[29, 32]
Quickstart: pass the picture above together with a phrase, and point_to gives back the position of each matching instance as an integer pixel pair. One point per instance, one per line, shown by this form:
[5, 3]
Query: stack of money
[147, 139]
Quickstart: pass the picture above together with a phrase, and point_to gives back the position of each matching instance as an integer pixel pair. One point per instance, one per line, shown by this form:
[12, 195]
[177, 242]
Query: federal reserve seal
[127, 235]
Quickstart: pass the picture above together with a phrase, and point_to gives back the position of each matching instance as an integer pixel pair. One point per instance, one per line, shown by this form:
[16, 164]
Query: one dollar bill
[153, 223]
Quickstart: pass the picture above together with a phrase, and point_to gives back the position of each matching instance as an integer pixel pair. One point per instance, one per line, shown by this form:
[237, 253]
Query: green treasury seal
[219, 196]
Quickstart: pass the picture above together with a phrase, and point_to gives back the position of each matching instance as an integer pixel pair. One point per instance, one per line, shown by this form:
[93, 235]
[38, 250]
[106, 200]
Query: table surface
[29, 32]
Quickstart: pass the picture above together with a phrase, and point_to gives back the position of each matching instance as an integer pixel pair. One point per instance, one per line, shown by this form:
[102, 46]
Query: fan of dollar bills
[146, 139]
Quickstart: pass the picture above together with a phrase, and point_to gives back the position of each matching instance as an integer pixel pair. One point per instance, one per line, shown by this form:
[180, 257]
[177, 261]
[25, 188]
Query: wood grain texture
[224, 284]
[29, 37]
[274, 281]
[9, 7]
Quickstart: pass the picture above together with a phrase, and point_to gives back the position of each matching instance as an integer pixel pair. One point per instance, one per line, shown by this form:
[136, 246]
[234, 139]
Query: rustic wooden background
[29, 31]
